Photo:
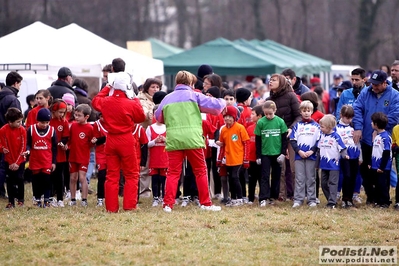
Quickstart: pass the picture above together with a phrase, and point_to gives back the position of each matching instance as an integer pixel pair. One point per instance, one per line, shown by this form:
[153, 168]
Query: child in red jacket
[13, 145]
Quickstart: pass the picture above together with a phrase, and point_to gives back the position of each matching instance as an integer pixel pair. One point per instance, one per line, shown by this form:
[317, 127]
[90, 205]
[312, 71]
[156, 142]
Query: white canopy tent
[39, 44]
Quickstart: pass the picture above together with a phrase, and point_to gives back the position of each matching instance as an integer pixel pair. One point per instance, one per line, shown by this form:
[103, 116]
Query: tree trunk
[259, 31]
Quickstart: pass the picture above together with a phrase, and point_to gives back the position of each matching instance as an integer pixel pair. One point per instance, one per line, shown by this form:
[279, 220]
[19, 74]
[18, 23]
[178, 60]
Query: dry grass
[248, 235]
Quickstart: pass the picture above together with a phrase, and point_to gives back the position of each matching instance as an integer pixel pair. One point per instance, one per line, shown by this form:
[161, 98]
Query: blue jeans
[91, 166]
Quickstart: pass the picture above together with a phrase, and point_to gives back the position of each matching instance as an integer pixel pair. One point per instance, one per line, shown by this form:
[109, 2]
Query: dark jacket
[59, 88]
[299, 87]
[82, 98]
[287, 106]
[8, 98]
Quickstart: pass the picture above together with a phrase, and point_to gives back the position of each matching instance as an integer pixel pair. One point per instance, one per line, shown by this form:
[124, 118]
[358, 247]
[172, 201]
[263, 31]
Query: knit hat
[64, 72]
[315, 81]
[242, 95]
[158, 97]
[231, 111]
[58, 105]
[214, 91]
[43, 115]
[204, 70]
[69, 99]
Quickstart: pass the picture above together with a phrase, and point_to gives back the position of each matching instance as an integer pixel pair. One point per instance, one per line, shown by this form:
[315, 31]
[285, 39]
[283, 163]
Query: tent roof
[162, 50]
[225, 57]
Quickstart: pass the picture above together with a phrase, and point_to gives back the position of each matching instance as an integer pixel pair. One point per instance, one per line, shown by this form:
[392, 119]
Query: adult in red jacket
[121, 111]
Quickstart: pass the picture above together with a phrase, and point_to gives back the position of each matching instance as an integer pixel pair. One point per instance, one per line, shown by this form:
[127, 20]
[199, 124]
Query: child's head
[243, 96]
[213, 91]
[158, 97]
[269, 109]
[70, 101]
[43, 98]
[14, 117]
[379, 120]
[306, 109]
[347, 113]
[31, 100]
[43, 118]
[82, 113]
[312, 97]
[327, 123]
[230, 115]
[58, 108]
[257, 113]
[229, 97]
[186, 78]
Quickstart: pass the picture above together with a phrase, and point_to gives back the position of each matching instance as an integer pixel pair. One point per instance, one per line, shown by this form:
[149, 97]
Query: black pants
[41, 184]
[349, 169]
[100, 183]
[380, 186]
[366, 172]
[15, 183]
[2, 175]
[189, 184]
[233, 173]
[57, 180]
[217, 183]
[254, 174]
[269, 189]
[158, 185]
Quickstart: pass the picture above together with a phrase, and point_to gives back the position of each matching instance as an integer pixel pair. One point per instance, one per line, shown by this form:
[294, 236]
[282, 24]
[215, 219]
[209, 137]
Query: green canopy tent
[161, 50]
[318, 64]
[281, 59]
[225, 57]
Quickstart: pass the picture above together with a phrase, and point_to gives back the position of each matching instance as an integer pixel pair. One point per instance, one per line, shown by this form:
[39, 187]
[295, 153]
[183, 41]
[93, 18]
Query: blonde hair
[328, 121]
[270, 105]
[186, 78]
[305, 105]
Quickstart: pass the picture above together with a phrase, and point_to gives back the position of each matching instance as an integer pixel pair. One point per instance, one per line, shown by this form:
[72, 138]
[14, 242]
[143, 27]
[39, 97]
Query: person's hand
[52, 167]
[258, 161]
[289, 133]
[142, 168]
[302, 154]
[94, 140]
[219, 143]
[309, 153]
[25, 153]
[224, 161]
[357, 135]
[13, 167]
[150, 115]
[5, 150]
[380, 171]
[281, 159]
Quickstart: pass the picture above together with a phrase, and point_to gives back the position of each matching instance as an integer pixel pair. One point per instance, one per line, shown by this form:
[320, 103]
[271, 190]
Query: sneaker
[218, 196]
[338, 196]
[38, 203]
[20, 204]
[317, 201]
[84, 203]
[263, 203]
[78, 195]
[384, 206]
[230, 203]
[238, 202]
[100, 202]
[54, 202]
[213, 208]
[155, 202]
[346, 204]
[356, 198]
[296, 205]
[72, 203]
[331, 206]
[60, 204]
[396, 206]
[167, 209]
[177, 201]
[312, 204]
[245, 200]
[224, 200]
[185, 201]
[196, 201]
[46, 204]
[10, 206]
[270, 202]
[68, 195]
[250, 202]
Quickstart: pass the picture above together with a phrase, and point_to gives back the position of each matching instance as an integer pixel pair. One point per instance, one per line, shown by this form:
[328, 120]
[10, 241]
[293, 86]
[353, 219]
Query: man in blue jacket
[378, 97]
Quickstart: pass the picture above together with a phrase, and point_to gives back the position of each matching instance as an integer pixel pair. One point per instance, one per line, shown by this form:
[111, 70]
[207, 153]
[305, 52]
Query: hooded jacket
[287, 106]
[59, 88]
[8, 98]
[181, 111]
[299, 87]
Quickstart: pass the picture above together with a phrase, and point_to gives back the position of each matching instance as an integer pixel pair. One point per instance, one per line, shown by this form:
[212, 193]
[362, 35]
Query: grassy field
[247, 235]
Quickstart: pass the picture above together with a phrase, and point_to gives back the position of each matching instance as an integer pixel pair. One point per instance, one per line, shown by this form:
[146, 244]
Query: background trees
[345, 32]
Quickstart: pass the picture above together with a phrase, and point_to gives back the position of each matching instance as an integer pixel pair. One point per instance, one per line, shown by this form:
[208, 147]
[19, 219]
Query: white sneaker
[60, 204]
[218, 196]
[167, 209]
[263, 203]
[185, 201]
[68, 195]
[54, 202]
[196, 201]
[296, 205]
[72, 203]
[238, 202]
[83, 203]
[213, 208]
[250, 203]
[317, 201]
[356, 198]
[312, 204]
[245, 200]
[78, 195]
[231, 203]
[155, 202]
[100, 202]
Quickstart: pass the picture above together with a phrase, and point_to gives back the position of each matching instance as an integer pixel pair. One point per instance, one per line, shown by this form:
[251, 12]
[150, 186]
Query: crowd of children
[242, 146]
